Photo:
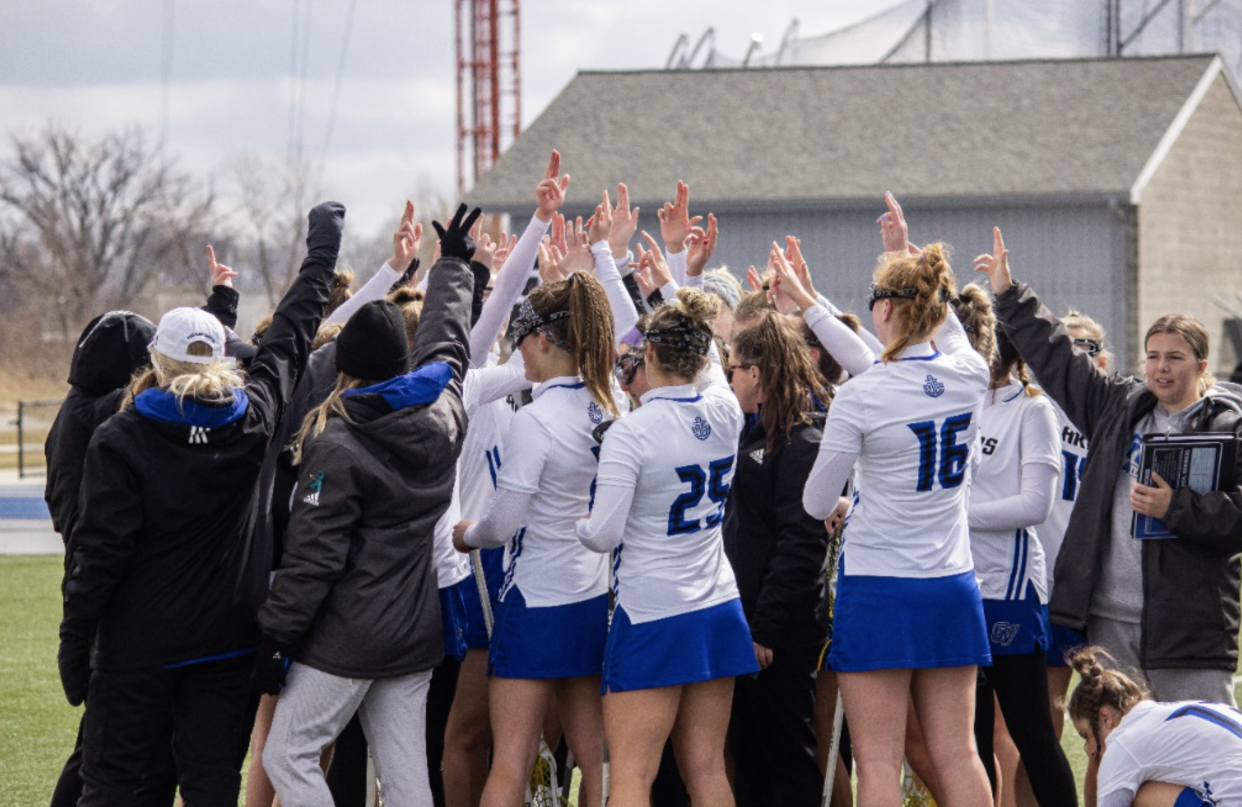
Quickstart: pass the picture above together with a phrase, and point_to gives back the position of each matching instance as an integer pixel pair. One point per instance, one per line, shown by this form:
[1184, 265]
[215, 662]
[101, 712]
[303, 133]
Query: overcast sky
[233, 80]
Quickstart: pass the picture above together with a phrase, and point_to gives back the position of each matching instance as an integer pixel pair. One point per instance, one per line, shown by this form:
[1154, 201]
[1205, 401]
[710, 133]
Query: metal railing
[33, 414]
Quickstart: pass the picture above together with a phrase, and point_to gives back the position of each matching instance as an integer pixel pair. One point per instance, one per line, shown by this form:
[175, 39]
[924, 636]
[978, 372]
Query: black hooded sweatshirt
[356, 591]
[163, 566]
[110, 349]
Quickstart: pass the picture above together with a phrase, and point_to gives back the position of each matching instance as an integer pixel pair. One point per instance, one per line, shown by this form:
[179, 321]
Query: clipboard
[1203, 462]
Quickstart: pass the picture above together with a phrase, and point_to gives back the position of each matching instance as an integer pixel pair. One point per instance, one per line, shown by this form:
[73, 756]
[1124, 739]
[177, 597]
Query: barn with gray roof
[1117, 182]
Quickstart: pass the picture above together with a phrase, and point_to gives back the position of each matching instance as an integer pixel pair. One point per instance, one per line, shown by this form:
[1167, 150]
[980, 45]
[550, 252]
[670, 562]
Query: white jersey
[1198, 745]
[452, 567]
[912, 423]
[552, 455]
[488, 399]
[1073, 460]
[1015, 429]
[677, 451]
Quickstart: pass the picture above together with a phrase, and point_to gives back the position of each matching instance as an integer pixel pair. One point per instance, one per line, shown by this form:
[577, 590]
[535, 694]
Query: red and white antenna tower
[489, 83]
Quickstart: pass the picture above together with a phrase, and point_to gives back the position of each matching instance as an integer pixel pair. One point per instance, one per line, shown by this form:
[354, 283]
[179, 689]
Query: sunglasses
[729, 370]
[627, 367]
[1091, 347]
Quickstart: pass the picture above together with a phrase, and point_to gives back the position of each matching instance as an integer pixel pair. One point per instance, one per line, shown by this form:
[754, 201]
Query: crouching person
[355, 602]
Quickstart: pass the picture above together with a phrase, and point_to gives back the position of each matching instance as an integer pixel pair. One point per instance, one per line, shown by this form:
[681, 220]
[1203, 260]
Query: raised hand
[996, 265]
[578, 257]
[550, 192]
[601, 222]
[793, 254]
[642, 275]
[785, 283]
[503, 248]
[485, 251]
[675, 221]
[624, 223]
[221, 275]
[753, 280]
[652, 260]
[893, 231]
[406, 240]
[558, 233]
[701, 245]
[551, 261]
[455, 240]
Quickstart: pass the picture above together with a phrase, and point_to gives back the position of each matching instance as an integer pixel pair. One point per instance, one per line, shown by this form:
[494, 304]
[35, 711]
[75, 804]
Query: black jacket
[162, 561]
[111, 348]
[779, 553]
[356, 592]
[1190, 583]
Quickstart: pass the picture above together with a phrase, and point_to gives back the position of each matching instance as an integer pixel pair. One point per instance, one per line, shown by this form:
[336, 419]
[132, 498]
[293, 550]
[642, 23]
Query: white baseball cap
[182, 327]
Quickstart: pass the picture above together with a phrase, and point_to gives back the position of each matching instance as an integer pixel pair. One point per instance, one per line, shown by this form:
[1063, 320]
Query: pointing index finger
[554, 166]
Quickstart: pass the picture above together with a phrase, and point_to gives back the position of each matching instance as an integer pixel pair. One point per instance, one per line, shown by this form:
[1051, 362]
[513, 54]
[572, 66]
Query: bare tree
[93, 224]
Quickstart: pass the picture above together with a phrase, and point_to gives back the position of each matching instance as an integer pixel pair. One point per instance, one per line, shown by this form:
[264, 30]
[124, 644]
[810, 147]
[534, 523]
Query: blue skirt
[699, 646]
[1061, 642]
[494, 574]
[559, 641]
[902, 623]
[453, 615]
[1017, 627]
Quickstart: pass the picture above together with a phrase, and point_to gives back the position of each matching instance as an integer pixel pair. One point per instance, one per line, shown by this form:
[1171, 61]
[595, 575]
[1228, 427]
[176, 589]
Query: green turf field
[37, 726]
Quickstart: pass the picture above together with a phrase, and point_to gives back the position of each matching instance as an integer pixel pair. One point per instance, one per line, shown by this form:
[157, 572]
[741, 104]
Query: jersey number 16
[942, 441]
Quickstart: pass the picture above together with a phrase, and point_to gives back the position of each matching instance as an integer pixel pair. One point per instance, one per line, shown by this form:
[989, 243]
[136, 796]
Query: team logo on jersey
[701, 429]
[315, 486]
[757, 456]
[933, 387]
[198, 435]
[1003, 633]
[595, 413]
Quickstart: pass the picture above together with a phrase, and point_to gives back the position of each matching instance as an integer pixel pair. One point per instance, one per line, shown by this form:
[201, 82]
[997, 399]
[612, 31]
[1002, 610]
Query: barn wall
[1073, 255]
[1190, 218]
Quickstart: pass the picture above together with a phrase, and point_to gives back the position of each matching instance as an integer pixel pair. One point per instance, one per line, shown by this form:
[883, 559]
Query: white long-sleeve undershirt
[510, 281]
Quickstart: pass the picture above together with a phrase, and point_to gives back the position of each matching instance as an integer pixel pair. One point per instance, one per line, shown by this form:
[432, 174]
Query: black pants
[772, 734]
[159, 781]
[207, 709]
[439, 704]
[1021, 686]
[347, 776]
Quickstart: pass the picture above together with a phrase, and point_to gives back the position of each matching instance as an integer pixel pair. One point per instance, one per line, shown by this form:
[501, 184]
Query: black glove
[455, 242]
[325, 223]
[74, 660]
[482, 276]
[406, 276]
[270, 666]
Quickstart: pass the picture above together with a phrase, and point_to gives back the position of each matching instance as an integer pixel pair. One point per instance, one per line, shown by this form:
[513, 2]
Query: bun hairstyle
[827, 365]
[680, 332]
[926, 283]
[1100, 687]
[410, 301]
[339, 291]
[1075, 320]
[974, 308]
[586, 334]
[750, 310]
[1193, 332]
[791, 384]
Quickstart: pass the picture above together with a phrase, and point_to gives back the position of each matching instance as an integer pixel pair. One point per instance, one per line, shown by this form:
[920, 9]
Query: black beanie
[373, 345]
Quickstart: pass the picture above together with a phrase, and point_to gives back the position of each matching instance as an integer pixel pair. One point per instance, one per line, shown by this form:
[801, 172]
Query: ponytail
[924, 284]
[591, 337]
[1100, 687]
[586, 333]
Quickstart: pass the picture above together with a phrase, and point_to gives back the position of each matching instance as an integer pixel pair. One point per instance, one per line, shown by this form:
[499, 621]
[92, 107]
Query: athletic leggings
[1021, 686]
